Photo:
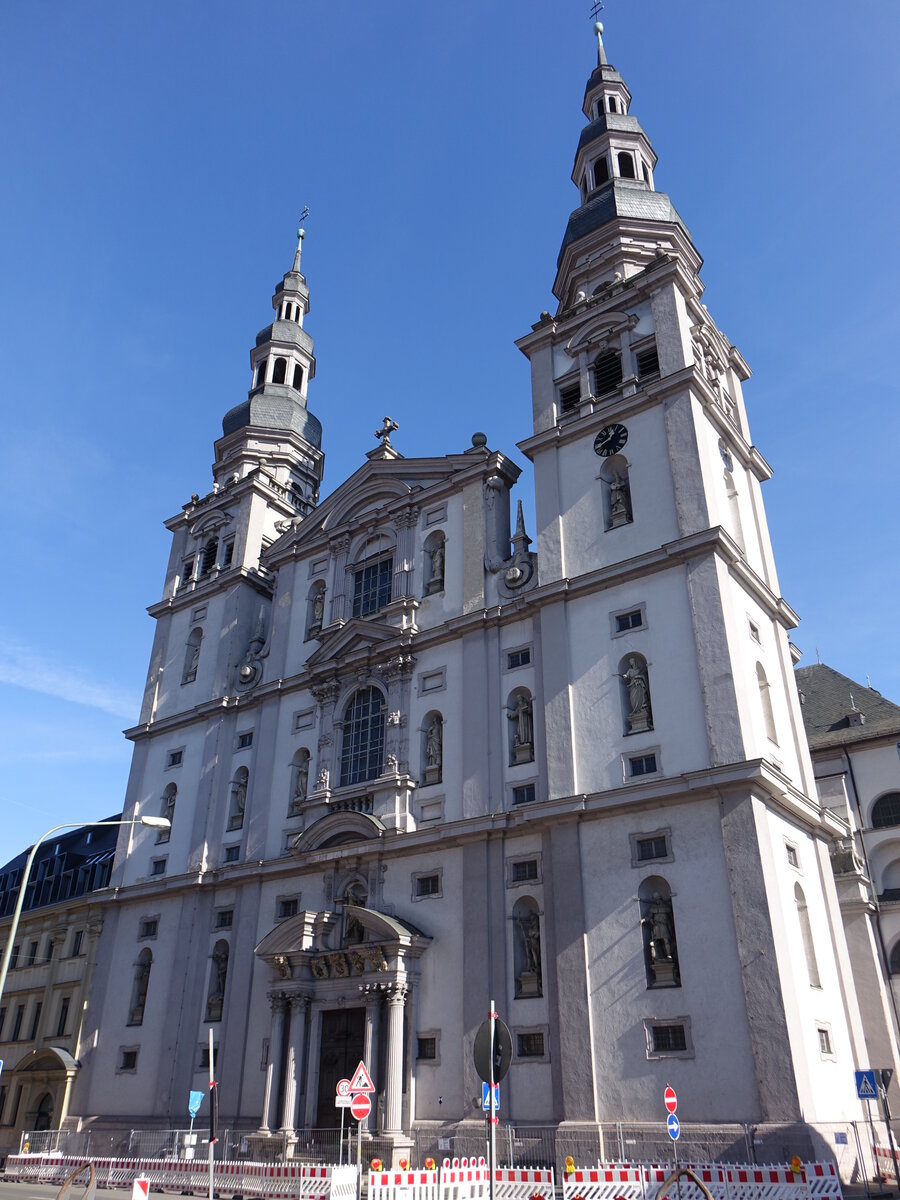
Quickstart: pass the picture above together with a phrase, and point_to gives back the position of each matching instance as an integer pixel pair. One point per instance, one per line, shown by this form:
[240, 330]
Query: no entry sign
[361, 1106]
[670, 1099]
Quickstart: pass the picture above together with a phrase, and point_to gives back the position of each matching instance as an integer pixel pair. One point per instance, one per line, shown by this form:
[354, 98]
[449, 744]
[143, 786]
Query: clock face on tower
[610, 440]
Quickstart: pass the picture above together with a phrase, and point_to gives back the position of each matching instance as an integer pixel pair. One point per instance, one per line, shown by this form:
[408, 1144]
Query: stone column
[370, 1044]
[293, 1069]
[393, 1093]
[278, 1004]
[405, 524]
[340, 609]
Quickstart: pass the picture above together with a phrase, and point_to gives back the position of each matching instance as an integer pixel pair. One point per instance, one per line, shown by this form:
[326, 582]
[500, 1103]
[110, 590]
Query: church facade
[416, 761]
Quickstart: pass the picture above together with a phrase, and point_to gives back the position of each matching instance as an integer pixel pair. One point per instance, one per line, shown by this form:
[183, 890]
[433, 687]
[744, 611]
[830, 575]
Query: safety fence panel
[464, 1179]
[606, 1183]
[885, 1160]
[403, 1185]
[524, 1184]
[822, 1179]
[630, 1181]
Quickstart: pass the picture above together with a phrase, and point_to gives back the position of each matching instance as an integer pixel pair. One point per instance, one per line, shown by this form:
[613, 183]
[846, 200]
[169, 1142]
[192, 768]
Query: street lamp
[150, 822]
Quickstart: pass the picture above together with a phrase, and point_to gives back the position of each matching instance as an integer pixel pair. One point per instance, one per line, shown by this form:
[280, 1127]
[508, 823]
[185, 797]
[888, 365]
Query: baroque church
[416, 760]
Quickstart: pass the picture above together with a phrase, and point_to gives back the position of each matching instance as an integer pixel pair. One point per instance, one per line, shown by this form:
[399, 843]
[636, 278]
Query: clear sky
[156, 155]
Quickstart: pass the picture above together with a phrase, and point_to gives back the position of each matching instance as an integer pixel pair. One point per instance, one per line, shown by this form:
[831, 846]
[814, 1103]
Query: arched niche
[520, 718]
[315, 610]
[658, 933]
[637, 710]
[616, 492]
[433, 559]
[432, 747]
[527, 960]
[299, 781]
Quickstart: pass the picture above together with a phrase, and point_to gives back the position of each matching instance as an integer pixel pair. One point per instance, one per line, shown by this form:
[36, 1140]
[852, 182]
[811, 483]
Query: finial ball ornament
[598, 27]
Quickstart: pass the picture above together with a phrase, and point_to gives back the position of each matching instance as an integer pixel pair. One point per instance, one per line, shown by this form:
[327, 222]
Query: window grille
[428, 885]
[426, 1048]
[523, 872]
[669, 1039]
[531, 1045]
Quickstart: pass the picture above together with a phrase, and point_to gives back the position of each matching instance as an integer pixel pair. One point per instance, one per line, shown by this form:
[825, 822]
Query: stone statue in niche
[619, 497]
[523, 736]
[660, 926]
[434, 750]
[301, 783]
[250, 669]
[635, 679]
[436, 555]
[528, 981]
[318, 611]
[238, 802]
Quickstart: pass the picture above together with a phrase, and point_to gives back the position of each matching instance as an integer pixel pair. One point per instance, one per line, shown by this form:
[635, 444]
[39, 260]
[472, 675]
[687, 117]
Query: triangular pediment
[357, 636]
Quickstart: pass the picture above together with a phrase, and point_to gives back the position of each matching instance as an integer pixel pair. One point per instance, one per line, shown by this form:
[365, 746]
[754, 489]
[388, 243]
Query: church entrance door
[341, 1048]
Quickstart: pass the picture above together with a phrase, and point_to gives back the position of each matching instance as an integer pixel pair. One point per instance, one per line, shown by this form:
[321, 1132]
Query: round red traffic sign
[670, 1099]
[361, 1106]
[343, 1087]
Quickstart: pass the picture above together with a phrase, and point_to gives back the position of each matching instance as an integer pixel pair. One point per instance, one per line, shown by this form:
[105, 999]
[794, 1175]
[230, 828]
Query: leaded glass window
[363, 746]
[372, 586]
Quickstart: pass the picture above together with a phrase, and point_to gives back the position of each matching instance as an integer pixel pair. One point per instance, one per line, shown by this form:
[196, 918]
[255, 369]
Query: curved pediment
[596, 332]
[358, 827]
[47, 1058]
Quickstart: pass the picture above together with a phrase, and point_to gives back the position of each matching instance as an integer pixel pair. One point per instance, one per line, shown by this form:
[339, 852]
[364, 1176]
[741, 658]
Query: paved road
[48, 1191]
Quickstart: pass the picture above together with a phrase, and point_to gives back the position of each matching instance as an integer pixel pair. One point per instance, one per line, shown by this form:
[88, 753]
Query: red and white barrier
[530, 1184]
[725, 1181]
[403, 1185]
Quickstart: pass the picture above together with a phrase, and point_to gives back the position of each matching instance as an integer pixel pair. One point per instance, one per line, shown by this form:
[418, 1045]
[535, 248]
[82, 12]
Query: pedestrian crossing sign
[866, 1088]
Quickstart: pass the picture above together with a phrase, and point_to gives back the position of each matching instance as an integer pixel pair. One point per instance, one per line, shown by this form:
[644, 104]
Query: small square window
[427, 885]
[232, 854]
[824, 1040]
[669, 1039]
[128, 1060]
[518, 658]
[426, 1048]
[523, 794]
[149, 927]
[792, 855]
[629, 620]
[754, 631]
[648, 849]
[286, 907]
[224, 918]
[175, 758]
[642, 764]
[245, 740]
[530, 1045]
[525, 870]
[158, 866]
[204, 1058]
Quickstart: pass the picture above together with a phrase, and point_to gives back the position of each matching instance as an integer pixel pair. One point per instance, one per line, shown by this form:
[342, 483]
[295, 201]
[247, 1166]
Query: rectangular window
[35, 1022]
[175, 757]
[426, 1048]
[2, 1100]
[204, 1058]
[149, 927]
[647, 360]
[128, 1060]
[518, 658]
[228, 553]
[792, 856]
[17, 1023]
[531, 1045]
[525, 871]
[2, 1021]
[524, 794]
[232, 854]
[668, 1039]
[824, 1040]
[649, 848]
[187, 572]
[14, 958]
[643, 764]
[245, 740]
[77, 939]
[224, 918]
[63, 1017]
[372, 586]
[754, 632]
[629, 620]
[607, 372]
[428, 885]
[32, 953]
[285, 908]
[569, 397]
[158, 866]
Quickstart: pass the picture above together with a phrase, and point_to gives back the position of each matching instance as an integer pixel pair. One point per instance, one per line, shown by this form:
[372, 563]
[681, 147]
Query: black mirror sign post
[492, 1054]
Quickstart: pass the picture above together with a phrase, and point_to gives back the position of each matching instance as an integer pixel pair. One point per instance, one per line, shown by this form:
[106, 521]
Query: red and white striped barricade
[532, 1183]
[610, 1182]
[403, 1185]
[765, 1183]
[885, 1163]
[464, 1179]
[822, 1179]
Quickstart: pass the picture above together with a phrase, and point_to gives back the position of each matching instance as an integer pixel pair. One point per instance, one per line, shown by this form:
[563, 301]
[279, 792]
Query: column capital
[397, 993]
[277, 1001]
[299, 1001]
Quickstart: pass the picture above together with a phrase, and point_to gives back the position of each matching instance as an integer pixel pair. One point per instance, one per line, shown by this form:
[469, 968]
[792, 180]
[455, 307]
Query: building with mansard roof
[417, 760]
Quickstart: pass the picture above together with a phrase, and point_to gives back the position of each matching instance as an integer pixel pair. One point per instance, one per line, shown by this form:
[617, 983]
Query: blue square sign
[486, 1097]
[866, 1087]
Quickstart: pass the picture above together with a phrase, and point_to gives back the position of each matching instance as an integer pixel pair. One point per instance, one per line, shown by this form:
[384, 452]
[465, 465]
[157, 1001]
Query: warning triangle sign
[362, 1080]
[865, 1090]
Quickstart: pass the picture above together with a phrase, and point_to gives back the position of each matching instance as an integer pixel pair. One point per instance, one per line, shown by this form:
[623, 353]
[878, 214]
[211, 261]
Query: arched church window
[362, 748]
[261, 372]
[765, 700]
[894, 964]
[139, 987]
[298, 377]
[626, 165]
[238, 798]
[279, 370]
[218, 975]
[635, 693]
[886, 811]
[167, 810]
[658, 931]
[315, 610]
[809, 949]
[601, 171]
[433, 747]
[616, 489]
[192, 656]
[607, 372]
[527, 954]
[611, 104]
[43, 1117]
[299, 781]
[433, 565]
[208, 556]
[520, 716]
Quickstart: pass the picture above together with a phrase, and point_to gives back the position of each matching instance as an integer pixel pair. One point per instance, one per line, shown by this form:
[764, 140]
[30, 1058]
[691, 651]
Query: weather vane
[596, 9]
[304, 216]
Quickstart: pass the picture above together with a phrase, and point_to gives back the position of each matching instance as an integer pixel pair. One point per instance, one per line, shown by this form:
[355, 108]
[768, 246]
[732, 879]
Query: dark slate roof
[827, 700]
[617, 122]
[629, 198]
[65, 866]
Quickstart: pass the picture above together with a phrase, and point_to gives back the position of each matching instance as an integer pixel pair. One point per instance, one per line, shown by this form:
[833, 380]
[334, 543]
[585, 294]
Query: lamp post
[150, 822]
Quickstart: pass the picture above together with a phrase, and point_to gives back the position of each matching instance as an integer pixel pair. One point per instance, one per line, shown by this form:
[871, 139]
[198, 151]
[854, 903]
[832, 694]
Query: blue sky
[155, 159]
